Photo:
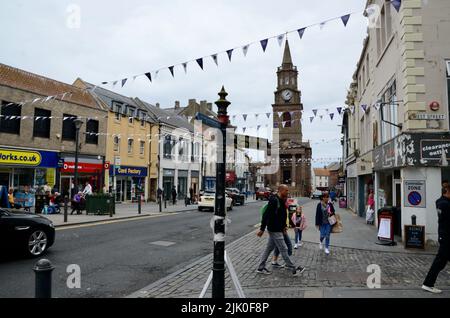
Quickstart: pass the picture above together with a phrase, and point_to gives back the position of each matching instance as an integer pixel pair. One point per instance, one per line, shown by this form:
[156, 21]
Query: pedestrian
[76, 203]
[47, 188]
[159, 194]
[174, 195]
[87, 189]
[274, 219]
[11, 199]
[324, 211]
[332, 195]
[287, 240]
[299, 220]
[443, 255]
[445, 184]
[370, 212]
[191, 195]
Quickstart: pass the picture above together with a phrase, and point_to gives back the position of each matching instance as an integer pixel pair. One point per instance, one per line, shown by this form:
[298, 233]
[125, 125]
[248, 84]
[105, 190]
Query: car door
[6, 231]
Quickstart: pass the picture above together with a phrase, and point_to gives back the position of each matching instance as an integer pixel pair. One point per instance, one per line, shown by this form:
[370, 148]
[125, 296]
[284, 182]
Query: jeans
[288, 242]
[276, 239]
[442, 257]
[298, 236]
[325, 231]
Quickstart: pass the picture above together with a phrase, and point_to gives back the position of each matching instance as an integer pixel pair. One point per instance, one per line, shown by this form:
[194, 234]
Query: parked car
[237, 196]
[25, 233]
[208, 198]
[316, 194]
[263, 193]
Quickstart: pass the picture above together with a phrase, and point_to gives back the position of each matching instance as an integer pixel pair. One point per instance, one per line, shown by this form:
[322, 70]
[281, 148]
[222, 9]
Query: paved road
[119, 258]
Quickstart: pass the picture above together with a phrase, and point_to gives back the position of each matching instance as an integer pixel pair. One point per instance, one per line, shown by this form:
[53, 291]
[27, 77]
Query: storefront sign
[415, 194]
[50, 176]
[69, 167]
[341, 180]
[351, 171]
[195, 174]
[28, 158]
[432, 149]
[182, 173]
[424, 116]
[129, 171]
[168, 173]
[384, 156]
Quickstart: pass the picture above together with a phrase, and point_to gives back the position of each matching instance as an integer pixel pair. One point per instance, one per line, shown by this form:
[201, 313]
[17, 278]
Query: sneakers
[327, 251]
[433, 290]
[264, 271]
[277, 265]
[300, 244]
[295, 246]
[298, 271]
[320, 246]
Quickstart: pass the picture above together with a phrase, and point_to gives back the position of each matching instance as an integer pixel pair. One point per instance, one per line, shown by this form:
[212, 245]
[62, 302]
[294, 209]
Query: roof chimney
[209, 106]
[177, 105]
[203, 104]
[157, 105]
[192, 102]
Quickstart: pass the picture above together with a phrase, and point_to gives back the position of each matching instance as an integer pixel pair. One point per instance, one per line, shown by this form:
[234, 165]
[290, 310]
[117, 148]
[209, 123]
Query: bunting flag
[377, 105]
[214, 57]
[315, 112]
[230, 53]
[280, 39]
[233, 117]
[156, 74]
[339, 109]
[256, 116]
[331, 116]
[301, 32]
[284, 124]
[171, 71]
[345, 19]
[397, 4]
[352, 109]
[245, 49]
[268, 115]
[149, 76]
[244, 116]
[292, 114]
[200, 62]
[327, 110]
[185, 67]
[364, 108]
[311, 119]
[280, 114]
[321, 117]
[243, 129]
[322, 25]
[134, 78]
[264, 44]
[257, 128]
[124, 81]
[104, 83]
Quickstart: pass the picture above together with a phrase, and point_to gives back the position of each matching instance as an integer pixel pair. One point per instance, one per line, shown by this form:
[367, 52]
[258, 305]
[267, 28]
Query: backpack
[263, 209]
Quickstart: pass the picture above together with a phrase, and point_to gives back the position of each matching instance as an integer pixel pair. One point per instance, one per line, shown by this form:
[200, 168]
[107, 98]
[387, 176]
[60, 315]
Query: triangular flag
[189, 118]
[352, 109]
[264, 44]
[397, 4]
[268, 115]
[233, 117]
[149, 76]
[156, 74]
[327, 110]
[315, 112]
[171, 71]
[284, 124]
[134, 78]
[331, 116]
[124, 81]
[243, 129]
[301, 32]
[259, 126]
[214, 57]
[364, 108]
[185, 67]
[292, 114]
[339, 109]
[230, 53]
[322, 25]
[114, 83]
[321, 117]
[280, 39]
[256, 116]
[280, 114]
[345, 19]
[200, 62]
[104, 83]
[245, 49]
[244, 116]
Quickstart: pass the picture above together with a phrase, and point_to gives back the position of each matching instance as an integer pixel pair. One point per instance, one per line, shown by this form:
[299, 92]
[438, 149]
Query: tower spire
[287, 60]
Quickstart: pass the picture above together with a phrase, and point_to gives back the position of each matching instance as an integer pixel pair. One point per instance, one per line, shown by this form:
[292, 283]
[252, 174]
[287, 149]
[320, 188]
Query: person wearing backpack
[274, 219]
[325, 216]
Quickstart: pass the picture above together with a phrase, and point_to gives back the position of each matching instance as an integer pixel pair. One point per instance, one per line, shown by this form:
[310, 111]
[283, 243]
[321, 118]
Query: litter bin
[100, 204]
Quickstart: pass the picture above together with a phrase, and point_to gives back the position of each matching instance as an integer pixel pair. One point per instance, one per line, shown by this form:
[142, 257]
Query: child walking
[299, 220]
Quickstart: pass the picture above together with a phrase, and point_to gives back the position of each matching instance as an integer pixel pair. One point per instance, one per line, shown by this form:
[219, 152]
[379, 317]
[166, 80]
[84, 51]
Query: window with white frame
[130, 145]
[131, 114]
[142, 147]
[143, 117]
[116, 141]
[389, 111]
[117, 108]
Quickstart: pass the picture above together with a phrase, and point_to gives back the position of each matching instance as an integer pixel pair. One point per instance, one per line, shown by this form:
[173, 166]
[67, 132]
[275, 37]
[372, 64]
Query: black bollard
[160, 204]
[165, 204]
[43, 273]
[139, 204]
[414, 220]
[66, 207]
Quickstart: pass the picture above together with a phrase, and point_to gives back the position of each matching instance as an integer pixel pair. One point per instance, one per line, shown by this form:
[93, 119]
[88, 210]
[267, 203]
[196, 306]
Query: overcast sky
[117, 40]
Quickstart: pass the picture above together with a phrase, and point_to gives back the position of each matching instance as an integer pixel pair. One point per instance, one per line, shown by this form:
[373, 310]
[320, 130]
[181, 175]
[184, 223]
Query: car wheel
[37, 243]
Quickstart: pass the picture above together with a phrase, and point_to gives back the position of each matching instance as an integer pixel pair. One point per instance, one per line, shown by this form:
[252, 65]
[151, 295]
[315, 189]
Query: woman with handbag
[325, 219]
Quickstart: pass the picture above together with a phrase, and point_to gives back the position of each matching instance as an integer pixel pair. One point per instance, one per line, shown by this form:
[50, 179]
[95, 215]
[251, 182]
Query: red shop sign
[230, 176]
[82, 167]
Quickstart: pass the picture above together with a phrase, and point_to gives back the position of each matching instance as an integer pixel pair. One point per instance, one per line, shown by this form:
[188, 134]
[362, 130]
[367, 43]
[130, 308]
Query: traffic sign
[415, 194]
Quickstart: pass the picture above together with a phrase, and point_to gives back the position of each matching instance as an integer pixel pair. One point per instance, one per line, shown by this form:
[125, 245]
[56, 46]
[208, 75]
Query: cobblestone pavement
[344, 268]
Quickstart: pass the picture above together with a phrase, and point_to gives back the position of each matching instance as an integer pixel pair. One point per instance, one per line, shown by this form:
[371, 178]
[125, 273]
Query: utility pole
[218, 280]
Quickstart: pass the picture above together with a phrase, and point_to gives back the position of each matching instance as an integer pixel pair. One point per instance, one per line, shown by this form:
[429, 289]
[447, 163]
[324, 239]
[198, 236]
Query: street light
[78, 123]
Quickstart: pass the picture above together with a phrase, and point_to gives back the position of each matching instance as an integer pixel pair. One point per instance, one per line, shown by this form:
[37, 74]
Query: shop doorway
[4, 179]
[287, 177]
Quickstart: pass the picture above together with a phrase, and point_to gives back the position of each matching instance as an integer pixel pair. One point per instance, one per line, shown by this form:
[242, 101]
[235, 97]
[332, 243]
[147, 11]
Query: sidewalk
[343, 273]
[123, 211]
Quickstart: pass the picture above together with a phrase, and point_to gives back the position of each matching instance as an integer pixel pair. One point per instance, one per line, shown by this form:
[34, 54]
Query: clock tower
[294, 154]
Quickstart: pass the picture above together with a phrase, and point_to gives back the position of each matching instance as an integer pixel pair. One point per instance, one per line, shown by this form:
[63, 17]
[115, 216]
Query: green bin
[100, 204]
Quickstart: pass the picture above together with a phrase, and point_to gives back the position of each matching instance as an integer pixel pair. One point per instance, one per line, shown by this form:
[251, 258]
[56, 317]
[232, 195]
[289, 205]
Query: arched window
[287, 118]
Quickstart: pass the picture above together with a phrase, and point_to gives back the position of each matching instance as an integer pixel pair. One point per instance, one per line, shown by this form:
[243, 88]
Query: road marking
[163, 243]
[114, 221]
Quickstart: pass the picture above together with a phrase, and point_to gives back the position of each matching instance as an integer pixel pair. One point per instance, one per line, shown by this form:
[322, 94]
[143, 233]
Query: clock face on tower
[286, 94]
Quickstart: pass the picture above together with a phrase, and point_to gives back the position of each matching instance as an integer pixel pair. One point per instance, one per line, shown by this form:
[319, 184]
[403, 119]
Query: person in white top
[87, 189]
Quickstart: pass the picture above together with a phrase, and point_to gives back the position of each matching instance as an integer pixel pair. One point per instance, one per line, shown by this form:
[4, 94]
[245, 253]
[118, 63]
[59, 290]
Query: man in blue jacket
[443, 255]
[275, 220]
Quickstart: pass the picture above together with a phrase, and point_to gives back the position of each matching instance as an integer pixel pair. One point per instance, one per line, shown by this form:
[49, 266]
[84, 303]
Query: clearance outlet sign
[415, 194]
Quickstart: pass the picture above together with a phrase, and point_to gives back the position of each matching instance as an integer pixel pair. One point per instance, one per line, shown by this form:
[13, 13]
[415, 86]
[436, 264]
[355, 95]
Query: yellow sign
[50, 177]
[19, 157]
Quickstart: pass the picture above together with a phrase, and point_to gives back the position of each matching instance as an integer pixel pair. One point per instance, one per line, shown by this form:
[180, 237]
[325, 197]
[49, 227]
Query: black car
[237, 196]
[26, 233]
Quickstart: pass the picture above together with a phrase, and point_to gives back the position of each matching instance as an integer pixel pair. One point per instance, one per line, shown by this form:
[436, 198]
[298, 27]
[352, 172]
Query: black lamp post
[218, 281]
[78, 123]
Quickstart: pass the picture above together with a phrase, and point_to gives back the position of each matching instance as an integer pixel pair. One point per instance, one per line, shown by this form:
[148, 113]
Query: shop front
[351, 190]
[209, 183]
[195, 177]
[182, 189]
[168, 182]
[90, 170]
[128, 182]
[23, 169]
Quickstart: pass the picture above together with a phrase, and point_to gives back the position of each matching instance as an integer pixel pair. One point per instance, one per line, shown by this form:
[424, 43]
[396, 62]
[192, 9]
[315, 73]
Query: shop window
[41, 126]
[142, 147]
[68, 129]
[10, 119]
[130, 146]
[92, 132]
[167, 147]
[116, 143]
[390, 113]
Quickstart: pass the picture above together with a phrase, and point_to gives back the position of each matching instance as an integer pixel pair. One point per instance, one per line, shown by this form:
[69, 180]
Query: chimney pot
[157, 105]
[177, 104]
